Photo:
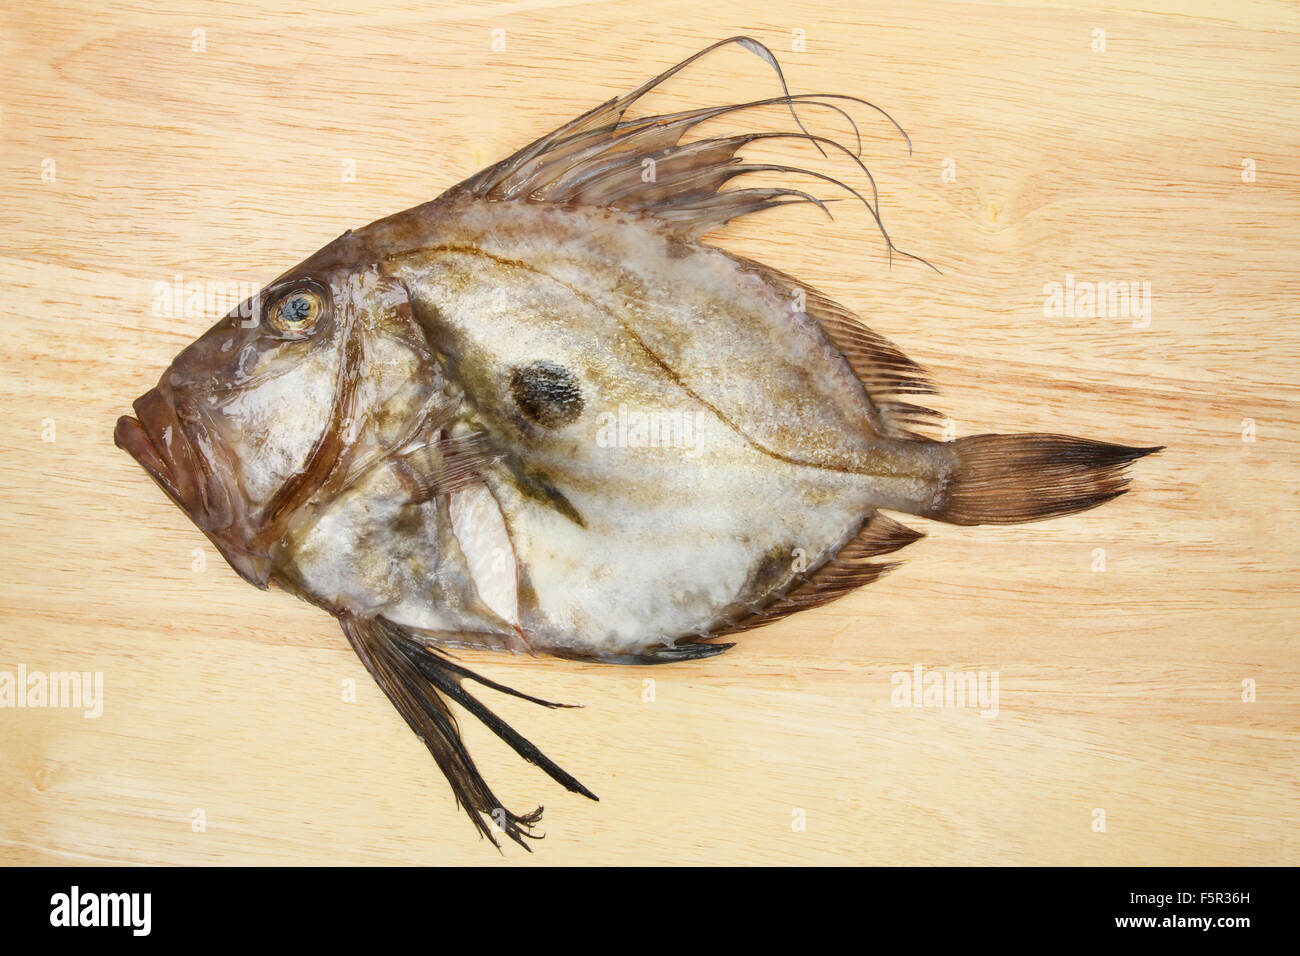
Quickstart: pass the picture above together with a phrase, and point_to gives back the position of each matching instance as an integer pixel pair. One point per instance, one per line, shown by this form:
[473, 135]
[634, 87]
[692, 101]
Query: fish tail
[1008, 479]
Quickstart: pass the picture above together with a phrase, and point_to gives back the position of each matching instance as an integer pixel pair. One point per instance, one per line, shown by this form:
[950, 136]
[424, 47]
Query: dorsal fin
[890, 377]
[603, 158]
[845, 572]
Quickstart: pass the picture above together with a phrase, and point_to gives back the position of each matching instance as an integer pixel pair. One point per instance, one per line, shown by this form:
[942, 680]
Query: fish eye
[297, 311]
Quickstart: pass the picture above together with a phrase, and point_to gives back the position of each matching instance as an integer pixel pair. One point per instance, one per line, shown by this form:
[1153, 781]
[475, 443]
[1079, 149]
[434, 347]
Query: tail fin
[1007, 479]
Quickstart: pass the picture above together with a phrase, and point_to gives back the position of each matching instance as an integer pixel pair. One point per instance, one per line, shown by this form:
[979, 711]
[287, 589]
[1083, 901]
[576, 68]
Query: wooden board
[1037, 157]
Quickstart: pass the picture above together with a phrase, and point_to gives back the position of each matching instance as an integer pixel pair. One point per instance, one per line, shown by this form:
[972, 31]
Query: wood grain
[1120, 690]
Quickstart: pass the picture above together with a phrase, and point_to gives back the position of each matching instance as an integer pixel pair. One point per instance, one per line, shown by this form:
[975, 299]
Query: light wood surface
[1120, 690]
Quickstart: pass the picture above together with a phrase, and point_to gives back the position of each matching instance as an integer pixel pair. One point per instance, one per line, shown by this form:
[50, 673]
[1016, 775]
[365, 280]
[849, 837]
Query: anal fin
[847, 571]
[691, 649]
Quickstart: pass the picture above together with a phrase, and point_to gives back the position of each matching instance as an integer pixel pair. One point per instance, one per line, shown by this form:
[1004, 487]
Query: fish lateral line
[674, 377]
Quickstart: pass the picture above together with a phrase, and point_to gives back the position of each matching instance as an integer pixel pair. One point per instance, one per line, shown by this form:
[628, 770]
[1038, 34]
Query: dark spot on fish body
[533, 484]
[527, 597]
[773, 569]
[546, 393]
[676, 249]
[410, 521]
[770, 577]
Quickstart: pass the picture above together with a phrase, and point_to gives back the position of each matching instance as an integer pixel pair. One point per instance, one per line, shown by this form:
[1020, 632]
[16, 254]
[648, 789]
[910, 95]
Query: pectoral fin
[441, 465]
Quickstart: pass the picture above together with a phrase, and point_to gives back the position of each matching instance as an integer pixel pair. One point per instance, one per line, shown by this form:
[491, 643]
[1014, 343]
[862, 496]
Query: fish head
[281, 401]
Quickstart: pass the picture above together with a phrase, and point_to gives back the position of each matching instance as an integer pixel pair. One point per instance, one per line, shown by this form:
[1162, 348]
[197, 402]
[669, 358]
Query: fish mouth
[183, 468]
[158, 442]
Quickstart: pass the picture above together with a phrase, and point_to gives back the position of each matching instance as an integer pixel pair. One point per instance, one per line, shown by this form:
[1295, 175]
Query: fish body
[540, 414]
[623, 547]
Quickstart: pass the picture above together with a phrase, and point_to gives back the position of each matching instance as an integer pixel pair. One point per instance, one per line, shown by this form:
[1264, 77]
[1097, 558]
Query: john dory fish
[415, 434]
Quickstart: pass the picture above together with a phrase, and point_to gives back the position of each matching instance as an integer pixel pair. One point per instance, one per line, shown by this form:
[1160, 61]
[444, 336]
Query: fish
[541, 414]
